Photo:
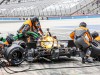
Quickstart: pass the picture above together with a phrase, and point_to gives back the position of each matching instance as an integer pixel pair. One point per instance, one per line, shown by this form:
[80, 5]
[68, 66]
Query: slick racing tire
[14, 54]
[20, 43]
[95, 46]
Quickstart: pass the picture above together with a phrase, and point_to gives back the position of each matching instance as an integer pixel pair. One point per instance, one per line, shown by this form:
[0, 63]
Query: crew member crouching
[79, 37]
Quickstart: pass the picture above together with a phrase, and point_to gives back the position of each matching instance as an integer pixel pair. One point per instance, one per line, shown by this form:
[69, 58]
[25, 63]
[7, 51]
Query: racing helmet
[47, 29]
[94, 34]
[83, 24]
[10, 38]
[35, 19]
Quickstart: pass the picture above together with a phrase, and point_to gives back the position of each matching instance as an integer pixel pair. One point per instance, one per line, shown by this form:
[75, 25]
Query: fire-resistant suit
[31, 25]
[82, 38]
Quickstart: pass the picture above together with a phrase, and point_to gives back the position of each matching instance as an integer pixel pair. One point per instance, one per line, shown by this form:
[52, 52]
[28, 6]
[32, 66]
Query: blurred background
[61, 16]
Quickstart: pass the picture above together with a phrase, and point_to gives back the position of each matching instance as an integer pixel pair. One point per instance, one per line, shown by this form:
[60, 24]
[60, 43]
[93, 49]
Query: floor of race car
[63, 66]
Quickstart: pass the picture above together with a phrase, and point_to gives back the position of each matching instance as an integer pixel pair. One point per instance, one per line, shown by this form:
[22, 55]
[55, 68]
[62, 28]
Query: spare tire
[20, 43]
[95, 49]
[14, 54]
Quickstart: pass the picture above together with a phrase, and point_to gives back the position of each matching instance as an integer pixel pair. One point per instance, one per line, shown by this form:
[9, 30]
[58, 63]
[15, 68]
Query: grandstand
[61, 17]
[22, 8]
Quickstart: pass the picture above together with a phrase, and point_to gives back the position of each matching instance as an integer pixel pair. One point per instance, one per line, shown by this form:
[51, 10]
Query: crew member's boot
[89, 59]
[87, 56]
[83, 60]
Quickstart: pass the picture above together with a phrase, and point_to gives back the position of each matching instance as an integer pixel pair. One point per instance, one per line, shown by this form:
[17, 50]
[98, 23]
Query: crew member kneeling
[82, 38]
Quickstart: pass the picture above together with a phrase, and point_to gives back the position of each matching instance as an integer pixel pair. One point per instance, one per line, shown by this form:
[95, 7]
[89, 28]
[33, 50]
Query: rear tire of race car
[20, 43]
[14, 54]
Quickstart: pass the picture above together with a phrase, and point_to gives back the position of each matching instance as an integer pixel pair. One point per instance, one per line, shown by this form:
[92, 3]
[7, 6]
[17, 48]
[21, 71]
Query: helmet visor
[38, 24]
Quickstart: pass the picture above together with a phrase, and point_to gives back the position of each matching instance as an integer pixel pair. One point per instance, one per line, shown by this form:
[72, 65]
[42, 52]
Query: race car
[47, 47]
